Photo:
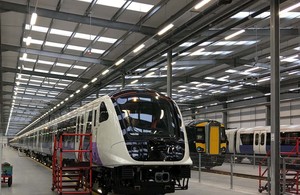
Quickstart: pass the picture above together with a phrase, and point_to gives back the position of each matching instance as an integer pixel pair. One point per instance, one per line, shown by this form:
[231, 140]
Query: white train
[139, 142]
[256, 140]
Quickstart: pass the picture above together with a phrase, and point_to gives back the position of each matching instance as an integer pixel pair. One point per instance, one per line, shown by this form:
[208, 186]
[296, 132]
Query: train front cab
[211, 142]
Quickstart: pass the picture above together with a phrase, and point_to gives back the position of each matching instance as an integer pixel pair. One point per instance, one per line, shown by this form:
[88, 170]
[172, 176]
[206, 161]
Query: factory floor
[33, 178]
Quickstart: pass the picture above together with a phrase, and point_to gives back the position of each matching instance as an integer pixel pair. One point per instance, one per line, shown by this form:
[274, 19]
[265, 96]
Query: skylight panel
[45, 62]
[36, 28]
[187, 44]
[28, 60]
[84, 36]
[107, 40]
[53, 44]
[231, 71]
[40, 70]
[140, 7]
[198, 52]
[24, 68]
[80, 67]
[60, 32]
[77, 48]
[36, 81]
[62, 84]
[63, 65]
[58, 73]
[34, 41]
[72, 75]
[98, 51]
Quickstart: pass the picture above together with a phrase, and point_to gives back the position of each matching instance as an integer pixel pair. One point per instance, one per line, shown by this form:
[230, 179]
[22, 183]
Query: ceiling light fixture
[24, 55]
[201, 4]
[135, 81]
[164, 30]
[138, 48]
[234, 34]
[94, 79]
[105, 72]
[33, 18]
[290, 8]
[119, 62]
[85, 86]
[28, 40]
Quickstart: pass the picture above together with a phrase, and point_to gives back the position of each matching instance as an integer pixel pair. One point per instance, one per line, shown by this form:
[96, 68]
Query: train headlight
[223, 149]
[199, 149]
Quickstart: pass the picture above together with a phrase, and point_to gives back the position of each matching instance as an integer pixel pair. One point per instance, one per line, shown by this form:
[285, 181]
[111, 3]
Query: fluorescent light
[94, 79]
[98, 51]
[72, 95]
[33, 18]
[53, 44]
[290, 8]
[105, 72]
[231, 71]
[24, 56]
[119, 62]
[77, 48]
[263, 79]
[85, 86]
[201, 4]
[149, 74]
[135, 81]
[210, 78]
[138, 48]
[234, 34]
[198, 52]
[28, 40]
[164, 30]
[63, 65]
[77, 91]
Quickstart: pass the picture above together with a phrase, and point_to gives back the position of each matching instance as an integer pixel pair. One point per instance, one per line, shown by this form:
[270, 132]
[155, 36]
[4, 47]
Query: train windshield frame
[148, 115]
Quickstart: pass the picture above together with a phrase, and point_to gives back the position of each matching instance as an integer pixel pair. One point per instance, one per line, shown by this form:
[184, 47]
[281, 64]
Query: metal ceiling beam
[2, 128]
[5, 47]
[82, 80]
[149, 31]
[255, 32]
[67, 91]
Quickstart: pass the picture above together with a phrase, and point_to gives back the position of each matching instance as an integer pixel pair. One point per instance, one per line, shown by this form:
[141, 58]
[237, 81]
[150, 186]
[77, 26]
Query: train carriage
[208, 138]
[139, 142]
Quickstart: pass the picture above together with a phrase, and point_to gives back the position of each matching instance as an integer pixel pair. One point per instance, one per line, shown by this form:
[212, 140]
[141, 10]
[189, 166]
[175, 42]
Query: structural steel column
[224, 115]
[275, 97]
[268, 112]
[169, 74]
[2, 130]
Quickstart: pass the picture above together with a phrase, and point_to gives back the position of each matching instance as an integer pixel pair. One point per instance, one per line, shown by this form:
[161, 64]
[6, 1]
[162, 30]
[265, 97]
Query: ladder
[72, 177]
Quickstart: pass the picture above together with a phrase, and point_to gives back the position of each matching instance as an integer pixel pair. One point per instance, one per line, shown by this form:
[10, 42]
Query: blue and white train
[139, 142]
[256, 140]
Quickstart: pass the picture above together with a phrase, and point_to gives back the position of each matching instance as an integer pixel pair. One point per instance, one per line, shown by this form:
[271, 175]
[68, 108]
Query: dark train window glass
[200, 134]
[268, 141]
[103, 116]
[95, 117]
[247, 139]
[223, 134]
[262, 141]
[256, 139]
[89, 122]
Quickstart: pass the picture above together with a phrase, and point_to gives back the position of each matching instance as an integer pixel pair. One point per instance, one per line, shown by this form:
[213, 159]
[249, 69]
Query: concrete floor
[32, 178]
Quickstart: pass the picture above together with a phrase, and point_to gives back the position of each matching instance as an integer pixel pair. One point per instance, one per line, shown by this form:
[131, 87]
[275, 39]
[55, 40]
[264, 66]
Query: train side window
[256, 139]
[200, 135]
[95, 117]
[103, 116]
[89, 122]
[262, 141]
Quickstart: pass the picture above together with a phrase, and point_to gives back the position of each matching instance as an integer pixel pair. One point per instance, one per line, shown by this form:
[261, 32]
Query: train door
[213, 139]
[259, 142]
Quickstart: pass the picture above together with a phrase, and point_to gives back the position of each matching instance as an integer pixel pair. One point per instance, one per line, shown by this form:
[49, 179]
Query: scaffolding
[289, 172]
[72, 177]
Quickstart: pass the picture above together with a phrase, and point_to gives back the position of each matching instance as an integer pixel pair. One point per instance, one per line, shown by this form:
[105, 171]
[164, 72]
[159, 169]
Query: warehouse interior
[78, 50]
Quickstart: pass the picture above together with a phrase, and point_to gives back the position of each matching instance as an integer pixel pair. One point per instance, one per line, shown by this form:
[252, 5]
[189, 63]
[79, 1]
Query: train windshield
[148, 115]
